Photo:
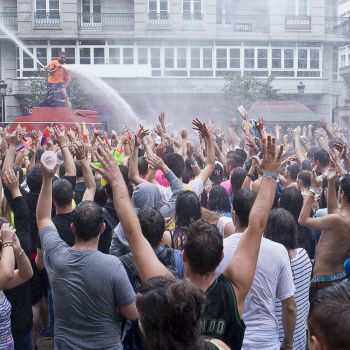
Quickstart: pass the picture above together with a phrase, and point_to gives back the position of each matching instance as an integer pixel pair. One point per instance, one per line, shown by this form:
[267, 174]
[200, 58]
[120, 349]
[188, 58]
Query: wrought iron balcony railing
[48, 20]
[106, 21]
[242, 23]
[158, 20]
[9, 19]
[338, 25]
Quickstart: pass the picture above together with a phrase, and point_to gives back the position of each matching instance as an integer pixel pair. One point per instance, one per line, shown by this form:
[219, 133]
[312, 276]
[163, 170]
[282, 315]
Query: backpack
[109, 219]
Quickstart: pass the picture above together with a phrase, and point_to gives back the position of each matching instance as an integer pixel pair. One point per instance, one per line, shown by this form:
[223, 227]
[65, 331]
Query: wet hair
[175, 163]
[323, 197]
[142, 166]
[218, 199]
[282, 228]
[169, 313]
[236, 161]
[345, 187]
[152, 225]
[35, 179]
[242, 205]
[293, 171]
[237, 178]
[203, 247]
[311, 153]
[62, 53]
[329, 316]
[323, 157]
[306, 165]
[124, 172]
[78, 168]
[305, 178]
[38, 155]
[241, 152]
[187, 209]
[62, 192]
[292, 200]
[88, 219]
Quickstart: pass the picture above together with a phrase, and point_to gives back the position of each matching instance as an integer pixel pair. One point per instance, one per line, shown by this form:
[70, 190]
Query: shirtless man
[333, 247]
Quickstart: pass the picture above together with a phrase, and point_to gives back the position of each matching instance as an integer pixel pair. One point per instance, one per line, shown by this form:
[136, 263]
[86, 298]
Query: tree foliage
[78, 97]
[248, 89]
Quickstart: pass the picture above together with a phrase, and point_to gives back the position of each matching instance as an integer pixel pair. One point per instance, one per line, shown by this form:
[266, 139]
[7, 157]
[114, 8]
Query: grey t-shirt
[87, 287]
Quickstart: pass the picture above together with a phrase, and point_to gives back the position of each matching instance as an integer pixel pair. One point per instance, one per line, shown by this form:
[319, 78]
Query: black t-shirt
[62, 223]
[79, 190]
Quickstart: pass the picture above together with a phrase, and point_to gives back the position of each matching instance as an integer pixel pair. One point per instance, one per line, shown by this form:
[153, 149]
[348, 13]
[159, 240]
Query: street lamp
[301, 90]
[3, 88]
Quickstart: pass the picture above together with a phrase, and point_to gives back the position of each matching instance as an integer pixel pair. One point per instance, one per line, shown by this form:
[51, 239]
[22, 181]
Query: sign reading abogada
[298, 23]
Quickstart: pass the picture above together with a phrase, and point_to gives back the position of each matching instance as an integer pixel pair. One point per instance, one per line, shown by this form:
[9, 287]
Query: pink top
[161, 179]
[227, 186]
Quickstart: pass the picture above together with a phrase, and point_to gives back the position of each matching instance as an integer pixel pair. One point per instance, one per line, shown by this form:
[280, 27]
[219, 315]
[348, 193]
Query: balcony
[106, 22]
[192, 21]
[338, 25]
[47, 20]
[242, 24]
[9, 19]
[158, 20]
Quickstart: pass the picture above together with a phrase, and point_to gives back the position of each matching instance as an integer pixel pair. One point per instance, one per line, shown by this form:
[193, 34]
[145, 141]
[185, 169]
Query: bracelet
[7, 244]
[81, 158]
[21, 253]
[270, 174]
[311, 193]
[251, 176]
[288, 344]
[63, 146]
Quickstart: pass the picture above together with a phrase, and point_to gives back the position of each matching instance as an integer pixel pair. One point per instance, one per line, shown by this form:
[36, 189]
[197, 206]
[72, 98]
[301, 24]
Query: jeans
[24, 342]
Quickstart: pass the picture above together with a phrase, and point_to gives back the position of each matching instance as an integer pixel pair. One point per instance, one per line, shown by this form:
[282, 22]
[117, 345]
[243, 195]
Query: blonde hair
[209, 216]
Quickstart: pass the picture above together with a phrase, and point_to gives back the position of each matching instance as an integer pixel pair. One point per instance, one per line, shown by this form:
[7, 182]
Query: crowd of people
[162, 239]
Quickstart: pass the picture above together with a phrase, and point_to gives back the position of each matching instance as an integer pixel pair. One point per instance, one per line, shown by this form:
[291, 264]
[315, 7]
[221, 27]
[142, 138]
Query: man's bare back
[333, 247]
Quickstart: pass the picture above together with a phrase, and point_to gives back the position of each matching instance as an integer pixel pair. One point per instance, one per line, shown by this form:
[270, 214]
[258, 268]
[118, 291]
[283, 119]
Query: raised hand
[184, 134]
[141, 133]
[315, 183]
[324, 124]
[14, 139]
[155, 162]
[271, 161]
[79, 148]
[109, 168]
[332, 171]
[7, 233]
[10, 179]
[260, 125]
[60, 134]
[201, 128]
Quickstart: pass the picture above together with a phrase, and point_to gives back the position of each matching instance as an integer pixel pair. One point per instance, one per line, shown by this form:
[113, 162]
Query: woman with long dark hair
[169, 315]
[219, 201]
[281, 228]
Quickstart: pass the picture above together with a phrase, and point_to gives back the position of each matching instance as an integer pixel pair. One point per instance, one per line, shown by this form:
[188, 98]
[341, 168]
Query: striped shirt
[301, 268]
[6, 340]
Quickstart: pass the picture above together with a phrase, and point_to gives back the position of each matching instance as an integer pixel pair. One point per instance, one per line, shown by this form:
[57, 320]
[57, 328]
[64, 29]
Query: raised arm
[146, 261]
[134, 174]
[67, 157]
[43, 209]
[89, 179]
[242, 267]
[203, 131]
[14, 141]
[332, 201]
[7, 261]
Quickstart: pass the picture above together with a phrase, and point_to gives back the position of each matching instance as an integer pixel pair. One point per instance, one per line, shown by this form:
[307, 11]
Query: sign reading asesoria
[298, 23]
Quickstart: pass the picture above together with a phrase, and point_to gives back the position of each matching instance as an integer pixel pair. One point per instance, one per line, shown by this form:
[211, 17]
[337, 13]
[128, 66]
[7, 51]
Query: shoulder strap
[108, 217]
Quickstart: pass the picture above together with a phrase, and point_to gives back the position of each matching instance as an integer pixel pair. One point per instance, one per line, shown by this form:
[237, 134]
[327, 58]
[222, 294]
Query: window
[85, 55]
[128, 55]
[192, 9]
[249, 58]
[114, 55]
[181, 58]
[169, 58]
[41, 55]
[235, 58]
[91, 10]
[224, 11]
[27, 60]
[46, 8]
[342, 60]
[221, 58]
[142, 55]
[158, 9]
[288, 58]
[302, 58]
[207, 58]
[298, 7]
[262, 58]
[99, 55]
[314, 59]
[155, 58]
[276, 58]
[196, 58]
